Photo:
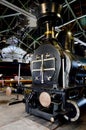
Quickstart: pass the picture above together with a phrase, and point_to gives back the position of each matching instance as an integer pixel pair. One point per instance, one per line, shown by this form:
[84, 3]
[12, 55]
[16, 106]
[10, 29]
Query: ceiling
[18, 25]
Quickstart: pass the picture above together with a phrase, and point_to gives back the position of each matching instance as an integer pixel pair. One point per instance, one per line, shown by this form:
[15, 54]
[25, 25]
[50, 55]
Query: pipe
[42, 69]
[81, 102]
[63, 74]
[19, 69]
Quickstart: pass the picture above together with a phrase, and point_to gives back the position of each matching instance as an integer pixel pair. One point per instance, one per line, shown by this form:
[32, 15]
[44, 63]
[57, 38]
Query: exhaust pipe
[73, 108]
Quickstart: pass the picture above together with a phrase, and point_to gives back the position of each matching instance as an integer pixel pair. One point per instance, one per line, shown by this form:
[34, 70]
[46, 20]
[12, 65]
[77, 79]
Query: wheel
[73, 111]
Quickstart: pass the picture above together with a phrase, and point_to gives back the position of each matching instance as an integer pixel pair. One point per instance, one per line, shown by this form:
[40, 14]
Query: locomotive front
[45, 66]
[46, 97]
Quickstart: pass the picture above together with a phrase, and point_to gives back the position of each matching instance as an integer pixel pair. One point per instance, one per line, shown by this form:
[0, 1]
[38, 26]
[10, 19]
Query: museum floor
[14, 117]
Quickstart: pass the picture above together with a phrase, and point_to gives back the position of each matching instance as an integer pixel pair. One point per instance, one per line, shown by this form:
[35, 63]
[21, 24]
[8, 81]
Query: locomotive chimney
[49, 14]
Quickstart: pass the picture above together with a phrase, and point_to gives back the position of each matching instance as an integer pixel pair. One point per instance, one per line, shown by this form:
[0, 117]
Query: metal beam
[7, 30]
[75, 39]
[10, 15]
[69, 3]
[79, 41]
[14, 7]
[75, 18]
[71, 21]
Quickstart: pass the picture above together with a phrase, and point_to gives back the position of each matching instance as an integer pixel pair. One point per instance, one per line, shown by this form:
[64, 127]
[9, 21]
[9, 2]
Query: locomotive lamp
[45, 99]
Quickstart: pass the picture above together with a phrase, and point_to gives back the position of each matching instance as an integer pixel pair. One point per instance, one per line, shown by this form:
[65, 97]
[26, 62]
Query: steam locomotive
[58, 75]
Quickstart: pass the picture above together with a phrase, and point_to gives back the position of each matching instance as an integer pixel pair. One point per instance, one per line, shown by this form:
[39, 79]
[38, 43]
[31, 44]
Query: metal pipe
[42, 69]
[19, 68]
[63, 74]
[81, 102]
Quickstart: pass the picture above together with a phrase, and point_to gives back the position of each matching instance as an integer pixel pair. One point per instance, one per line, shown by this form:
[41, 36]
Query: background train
[58, 75]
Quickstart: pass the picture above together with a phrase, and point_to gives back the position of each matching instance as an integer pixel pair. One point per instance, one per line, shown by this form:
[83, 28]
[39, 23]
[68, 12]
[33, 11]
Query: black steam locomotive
[58, 75]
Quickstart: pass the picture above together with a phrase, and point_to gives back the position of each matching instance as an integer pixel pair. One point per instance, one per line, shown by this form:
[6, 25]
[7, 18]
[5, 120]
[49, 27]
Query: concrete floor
[14, 117]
